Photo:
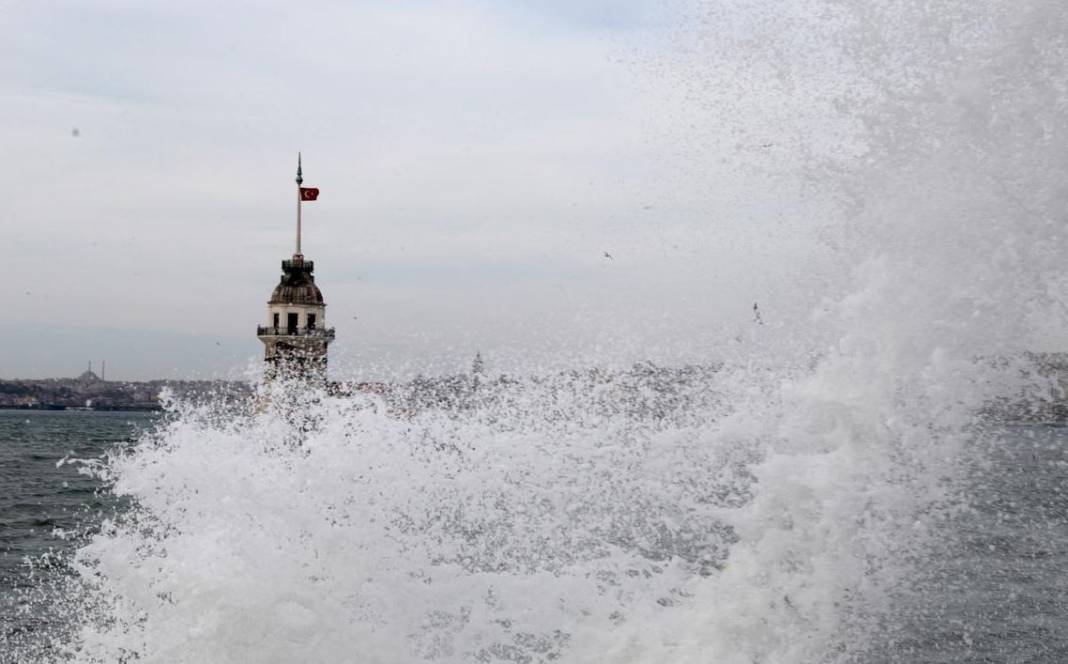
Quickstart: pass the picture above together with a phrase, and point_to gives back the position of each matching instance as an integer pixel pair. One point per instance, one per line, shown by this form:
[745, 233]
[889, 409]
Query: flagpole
[300, 180]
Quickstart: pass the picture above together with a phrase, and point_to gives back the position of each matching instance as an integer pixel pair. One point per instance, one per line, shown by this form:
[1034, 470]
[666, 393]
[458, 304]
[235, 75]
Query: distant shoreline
[88, 392]
[65, 409]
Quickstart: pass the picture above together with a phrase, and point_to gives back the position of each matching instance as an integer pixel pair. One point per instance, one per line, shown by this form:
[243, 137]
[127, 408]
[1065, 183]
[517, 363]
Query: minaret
[296, 336]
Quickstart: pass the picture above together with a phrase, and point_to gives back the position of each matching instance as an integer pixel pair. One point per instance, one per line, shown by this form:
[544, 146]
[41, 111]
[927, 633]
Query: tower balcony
[298, 264]
[315, 332]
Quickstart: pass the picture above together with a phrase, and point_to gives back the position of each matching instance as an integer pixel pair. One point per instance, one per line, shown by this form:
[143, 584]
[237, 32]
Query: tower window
[311, 321]
[291, 323]
[275, 321]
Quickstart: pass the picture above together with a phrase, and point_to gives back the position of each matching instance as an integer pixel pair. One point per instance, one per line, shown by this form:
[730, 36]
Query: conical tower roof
[297, 285]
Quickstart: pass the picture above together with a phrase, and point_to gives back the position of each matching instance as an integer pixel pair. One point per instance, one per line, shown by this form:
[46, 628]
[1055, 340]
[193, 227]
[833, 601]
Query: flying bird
[608, 256]
[75, 133]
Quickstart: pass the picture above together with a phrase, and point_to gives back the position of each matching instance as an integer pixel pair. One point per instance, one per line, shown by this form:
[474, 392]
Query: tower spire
[300, 180]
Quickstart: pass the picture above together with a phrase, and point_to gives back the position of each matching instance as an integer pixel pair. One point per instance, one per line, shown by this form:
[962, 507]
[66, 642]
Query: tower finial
[300, 179]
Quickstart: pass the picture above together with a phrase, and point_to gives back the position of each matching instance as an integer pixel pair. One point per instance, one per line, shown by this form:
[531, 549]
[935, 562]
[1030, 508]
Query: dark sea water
[994, 590]
[39, 499]
[995, 587]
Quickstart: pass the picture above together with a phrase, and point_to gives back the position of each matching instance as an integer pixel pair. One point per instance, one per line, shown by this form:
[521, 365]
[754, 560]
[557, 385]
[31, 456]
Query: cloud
[475, 158]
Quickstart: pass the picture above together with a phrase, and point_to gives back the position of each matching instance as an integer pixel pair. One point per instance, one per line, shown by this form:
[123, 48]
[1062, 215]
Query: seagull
[75, 133]
[767, 145]
[608, 256]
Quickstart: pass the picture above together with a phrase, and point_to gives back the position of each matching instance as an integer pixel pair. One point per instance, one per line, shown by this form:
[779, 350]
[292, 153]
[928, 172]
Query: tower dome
[297, 285]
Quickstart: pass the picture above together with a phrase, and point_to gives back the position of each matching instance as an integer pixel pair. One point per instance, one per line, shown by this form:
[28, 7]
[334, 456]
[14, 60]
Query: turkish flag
[309, 193]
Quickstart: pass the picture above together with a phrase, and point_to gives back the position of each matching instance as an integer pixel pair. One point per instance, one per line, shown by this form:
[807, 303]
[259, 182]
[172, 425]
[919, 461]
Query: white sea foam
[769, 514]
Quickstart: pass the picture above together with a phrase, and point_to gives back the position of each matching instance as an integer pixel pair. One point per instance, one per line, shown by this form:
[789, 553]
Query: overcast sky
[476, 159]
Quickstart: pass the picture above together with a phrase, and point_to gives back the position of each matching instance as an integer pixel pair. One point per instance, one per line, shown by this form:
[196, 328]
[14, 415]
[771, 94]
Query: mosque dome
[297, 285]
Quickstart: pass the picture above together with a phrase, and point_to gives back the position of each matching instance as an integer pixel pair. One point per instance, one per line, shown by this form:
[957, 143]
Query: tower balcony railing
[267, 331]
[290, 264]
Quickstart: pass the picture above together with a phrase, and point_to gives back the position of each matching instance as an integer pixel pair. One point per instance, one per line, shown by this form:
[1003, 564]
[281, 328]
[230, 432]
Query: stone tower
[296, 336]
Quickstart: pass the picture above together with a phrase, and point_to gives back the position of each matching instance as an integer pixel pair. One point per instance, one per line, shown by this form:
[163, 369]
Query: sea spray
[431, 536]
[495, 532]
[952, 200]
[771, 509]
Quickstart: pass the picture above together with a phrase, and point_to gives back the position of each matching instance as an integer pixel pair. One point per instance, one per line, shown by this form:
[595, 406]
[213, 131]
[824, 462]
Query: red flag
[309, 193]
